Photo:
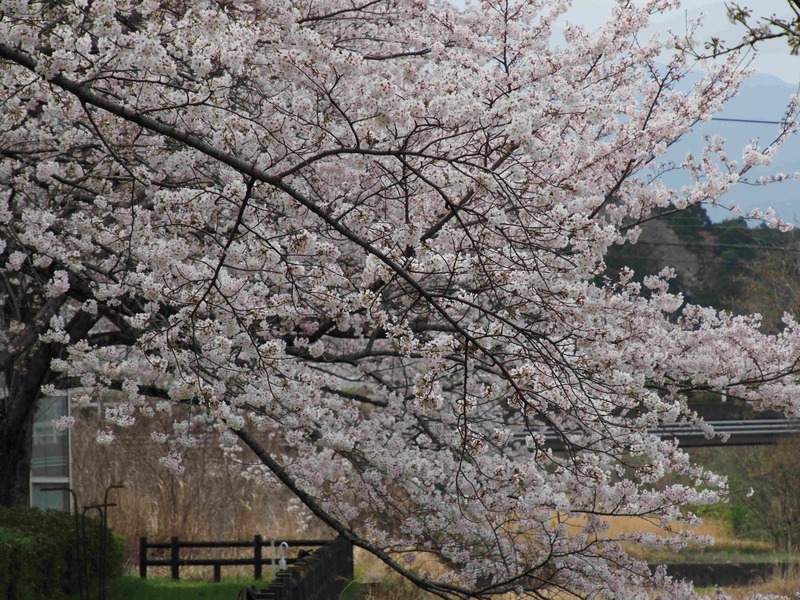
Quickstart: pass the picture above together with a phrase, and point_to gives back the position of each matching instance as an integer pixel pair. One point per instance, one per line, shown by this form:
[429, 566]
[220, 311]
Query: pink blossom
[368, 241]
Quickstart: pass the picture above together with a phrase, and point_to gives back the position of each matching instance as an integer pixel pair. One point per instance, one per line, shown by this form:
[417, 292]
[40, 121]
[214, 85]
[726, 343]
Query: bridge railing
[747, 432]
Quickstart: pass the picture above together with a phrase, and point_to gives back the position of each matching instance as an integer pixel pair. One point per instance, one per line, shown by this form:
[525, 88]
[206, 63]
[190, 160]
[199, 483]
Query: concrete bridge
[739, 432]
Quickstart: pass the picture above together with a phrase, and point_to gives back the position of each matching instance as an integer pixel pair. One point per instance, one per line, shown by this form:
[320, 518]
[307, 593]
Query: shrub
[38, 554]
[16, 554]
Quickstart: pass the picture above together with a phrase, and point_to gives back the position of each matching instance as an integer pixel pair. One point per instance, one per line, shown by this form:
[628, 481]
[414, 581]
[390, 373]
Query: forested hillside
[727, 265]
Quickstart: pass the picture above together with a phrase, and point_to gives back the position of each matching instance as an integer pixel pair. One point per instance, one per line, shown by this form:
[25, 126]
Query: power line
[748, 121]
[712, 245]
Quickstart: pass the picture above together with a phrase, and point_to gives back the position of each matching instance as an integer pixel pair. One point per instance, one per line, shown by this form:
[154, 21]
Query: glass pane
[50, 456]
[49, 500]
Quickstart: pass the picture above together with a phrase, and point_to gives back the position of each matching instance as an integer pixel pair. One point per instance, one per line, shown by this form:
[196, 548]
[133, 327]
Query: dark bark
[16, 437]
[24, 382]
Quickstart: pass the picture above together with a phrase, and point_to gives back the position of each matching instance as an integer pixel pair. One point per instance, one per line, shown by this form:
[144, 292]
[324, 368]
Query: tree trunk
[16, 441]
[23, 382]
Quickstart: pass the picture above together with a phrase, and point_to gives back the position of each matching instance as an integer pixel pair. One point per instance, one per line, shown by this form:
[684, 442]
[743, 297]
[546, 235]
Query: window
[50, 459]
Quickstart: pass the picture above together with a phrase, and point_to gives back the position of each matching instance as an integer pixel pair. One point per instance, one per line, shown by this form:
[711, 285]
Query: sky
[772, 59]
[762, 98]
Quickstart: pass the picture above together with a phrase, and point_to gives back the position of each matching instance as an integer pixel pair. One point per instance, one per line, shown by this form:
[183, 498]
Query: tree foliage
[728, 265]
[768, 282]
[373, 234]
[764, 484]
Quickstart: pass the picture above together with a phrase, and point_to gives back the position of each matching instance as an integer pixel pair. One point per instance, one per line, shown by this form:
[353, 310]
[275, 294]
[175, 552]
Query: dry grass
[385, 584]
[724, 540]
[210, 501]
[380, 582]
[622, 525]
[784, 582]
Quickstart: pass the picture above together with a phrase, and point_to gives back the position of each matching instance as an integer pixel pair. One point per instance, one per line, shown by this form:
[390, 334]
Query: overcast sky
[763, 97]
[773, 58]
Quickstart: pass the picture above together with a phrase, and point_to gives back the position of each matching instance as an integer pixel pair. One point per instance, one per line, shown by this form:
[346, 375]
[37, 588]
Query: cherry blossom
[365, 240]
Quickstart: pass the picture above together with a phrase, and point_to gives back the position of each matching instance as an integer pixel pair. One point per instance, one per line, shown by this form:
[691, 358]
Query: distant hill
[728, 264]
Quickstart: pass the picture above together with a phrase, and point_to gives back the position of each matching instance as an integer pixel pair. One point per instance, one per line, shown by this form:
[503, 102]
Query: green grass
[724, 554]
[131, 587]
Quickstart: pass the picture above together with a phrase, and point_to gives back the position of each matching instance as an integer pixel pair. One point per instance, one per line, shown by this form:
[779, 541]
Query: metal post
[282, 562]
[103, 529]
[83, 532]
[101, 566]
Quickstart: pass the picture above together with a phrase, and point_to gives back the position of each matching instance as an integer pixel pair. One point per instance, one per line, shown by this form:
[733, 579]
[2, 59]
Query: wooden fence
[264, 552]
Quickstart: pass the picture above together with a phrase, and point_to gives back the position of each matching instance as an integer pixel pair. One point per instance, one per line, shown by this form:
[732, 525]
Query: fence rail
[273, 548]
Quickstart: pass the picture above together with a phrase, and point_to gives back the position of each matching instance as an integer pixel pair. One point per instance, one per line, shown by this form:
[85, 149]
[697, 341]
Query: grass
[724, 550]
[723, 554]
[726, 547]
[131, 587]
[782, 584]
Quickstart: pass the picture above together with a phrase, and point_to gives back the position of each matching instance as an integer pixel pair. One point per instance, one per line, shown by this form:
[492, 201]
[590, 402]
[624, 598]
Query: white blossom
[369, 241]
[104, 438]
[64, 423]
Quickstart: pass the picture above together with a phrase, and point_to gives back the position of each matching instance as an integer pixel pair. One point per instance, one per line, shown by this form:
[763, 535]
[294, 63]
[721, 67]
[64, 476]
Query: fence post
[143, 557]
[272, 554]
[257, 557]
[217, 572]
[174, 559]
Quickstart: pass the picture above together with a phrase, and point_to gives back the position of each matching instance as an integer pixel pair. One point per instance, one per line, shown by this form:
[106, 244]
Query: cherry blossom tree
[759, 27]
[364, 239]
